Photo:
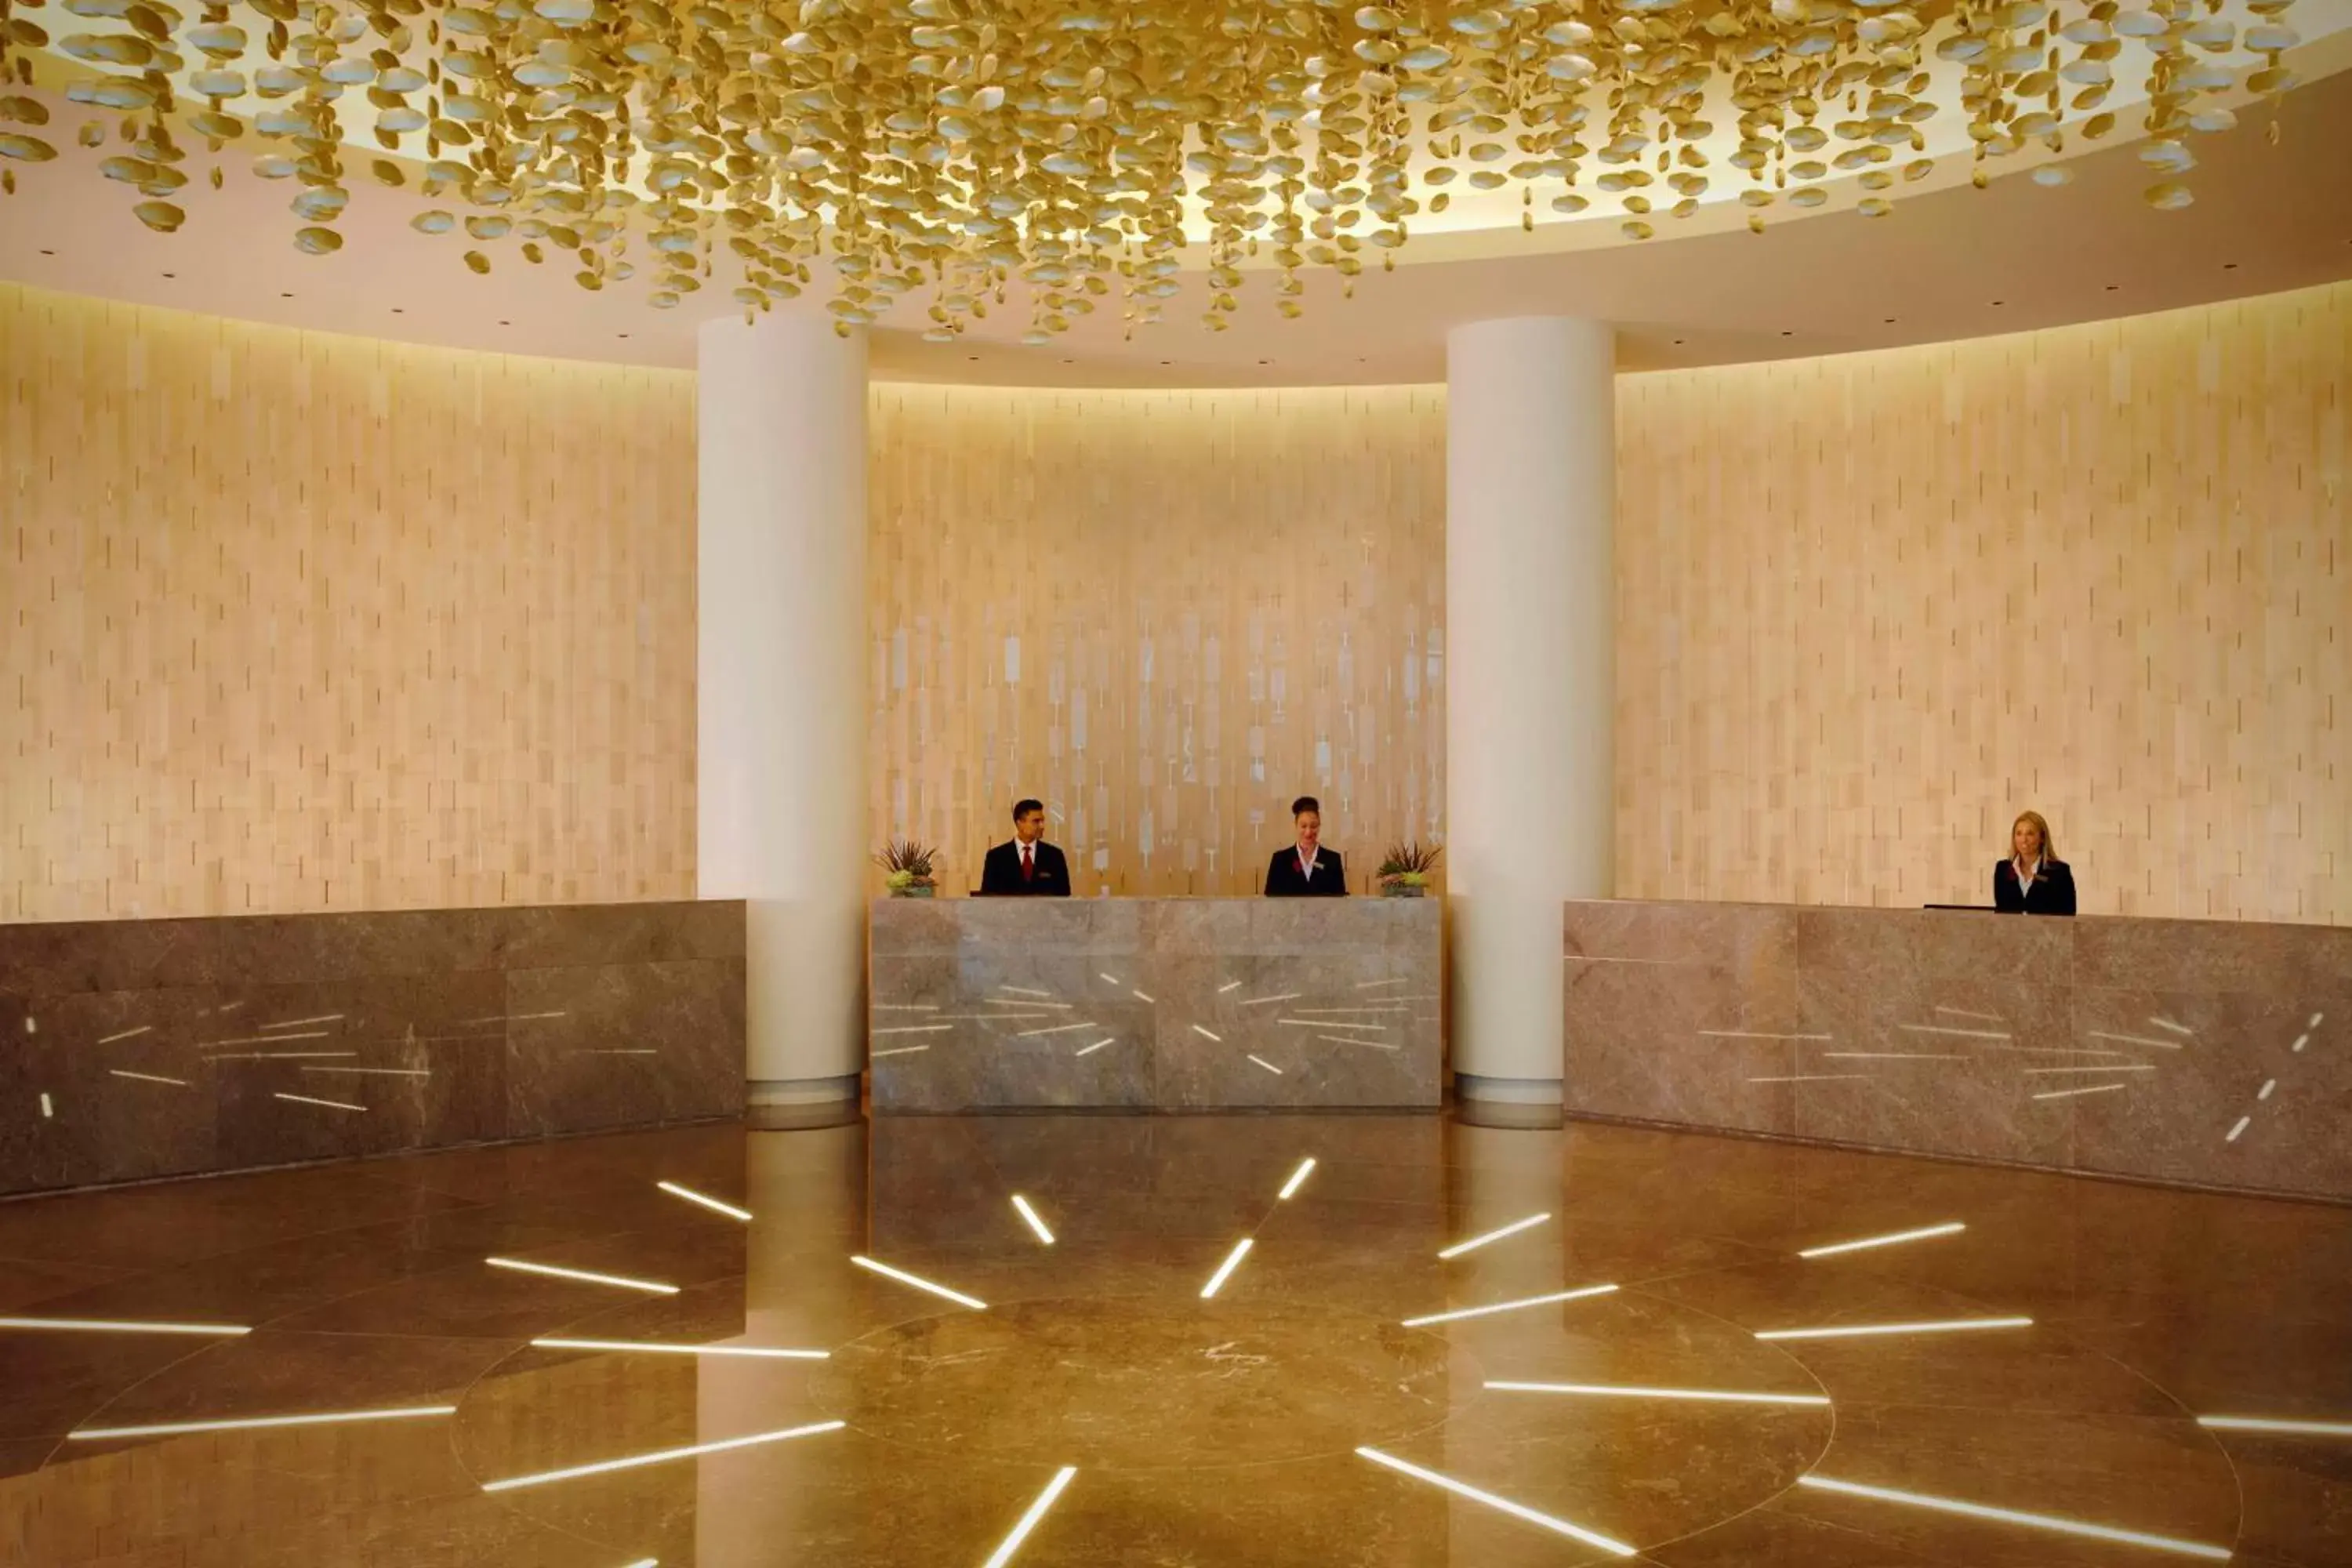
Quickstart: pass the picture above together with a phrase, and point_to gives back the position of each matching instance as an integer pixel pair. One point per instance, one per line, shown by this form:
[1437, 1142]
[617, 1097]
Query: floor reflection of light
[256, 1423]
[1950, 1227]
[1475, 1242]
[625, 1346]
[1297, 1178]
[1226, 1269]
[1516, 1510]
[1030, 1215]
[919, 1283]
[2276, 1424]
[1626, 1390]
[113, 1326]
[1510, 1306]
[2010, 1516]
[620, 1281]
[705, 1199]
[1858, 1331]
[1012, 1543]
[636, 1462]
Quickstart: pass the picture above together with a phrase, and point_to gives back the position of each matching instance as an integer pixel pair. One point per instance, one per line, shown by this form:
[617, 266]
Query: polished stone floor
[1304, 1415]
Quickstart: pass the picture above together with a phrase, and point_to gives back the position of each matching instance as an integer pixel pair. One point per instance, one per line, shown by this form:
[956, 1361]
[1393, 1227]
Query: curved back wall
[298, 622]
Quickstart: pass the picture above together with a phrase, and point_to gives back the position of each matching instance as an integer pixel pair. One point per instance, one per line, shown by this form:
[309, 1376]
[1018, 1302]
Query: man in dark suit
[1308, 870]
[1028, 865]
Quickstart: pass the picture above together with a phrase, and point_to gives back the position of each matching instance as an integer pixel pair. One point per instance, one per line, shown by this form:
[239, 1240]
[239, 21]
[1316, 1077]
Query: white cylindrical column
[1530, 684]
[780, 818]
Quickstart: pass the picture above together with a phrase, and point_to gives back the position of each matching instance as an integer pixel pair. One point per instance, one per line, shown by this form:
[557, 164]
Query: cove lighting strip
[2273, 1424]
[1516, 1510]
[2010, 1516]
[1475, 1242]
[1922, 1233]
[176, 1428]
[1030, 1215]
[637, 1461]
[1012, 1543]
[646, 1345]
[919, 1283]
[705, 1199]
[113, 1326]
[1226, 1269]
[1625, 1391]
[1858, 1331]
[620, 1281]
[1510, 1306]
[1297, 1178]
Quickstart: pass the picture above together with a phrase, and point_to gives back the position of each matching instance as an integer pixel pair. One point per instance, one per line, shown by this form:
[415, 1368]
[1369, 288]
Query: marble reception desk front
[1155, 1003]
[2203, 1052]
[132, 1049]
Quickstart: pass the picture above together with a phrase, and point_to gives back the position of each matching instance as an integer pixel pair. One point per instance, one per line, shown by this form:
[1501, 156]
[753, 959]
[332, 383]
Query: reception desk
[132, 1049]
[2201, 1052]
[1155, 1003]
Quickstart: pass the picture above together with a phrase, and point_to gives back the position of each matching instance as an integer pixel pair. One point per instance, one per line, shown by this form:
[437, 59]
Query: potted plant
[907, 867]
[1404, 871]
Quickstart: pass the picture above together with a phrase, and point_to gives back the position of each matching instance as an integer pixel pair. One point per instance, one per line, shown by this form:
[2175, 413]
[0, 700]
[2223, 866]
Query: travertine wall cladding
[1872, 607]
[301, 622]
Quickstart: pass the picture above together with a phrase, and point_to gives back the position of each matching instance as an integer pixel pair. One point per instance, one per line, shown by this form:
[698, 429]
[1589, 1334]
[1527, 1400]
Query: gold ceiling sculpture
[943, 147]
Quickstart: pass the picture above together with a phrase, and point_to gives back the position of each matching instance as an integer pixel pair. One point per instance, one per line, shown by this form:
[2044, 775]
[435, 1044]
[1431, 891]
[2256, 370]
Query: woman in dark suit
[1308, 871]
[2032, 880]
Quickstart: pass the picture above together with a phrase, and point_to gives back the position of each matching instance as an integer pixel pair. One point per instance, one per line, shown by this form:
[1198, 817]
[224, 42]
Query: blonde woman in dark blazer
[2032, 880]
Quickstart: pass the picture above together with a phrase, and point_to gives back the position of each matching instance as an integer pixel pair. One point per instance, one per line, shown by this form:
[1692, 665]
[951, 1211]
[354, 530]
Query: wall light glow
[1626, 1390]
[328, 1418]
[1306, 1167]
[1226, 1269]
[1950, 1228]
[919, 1283]
[636, 1461]
[2010, 1516]
[1510, 1306]
[113, 1326]
[1030, 1215]
[634, 1345]
[620, 1281]
[1516, 1510]
[1860, 1330]
[705, 1199]
[1475, 1242]
[1012, 1543]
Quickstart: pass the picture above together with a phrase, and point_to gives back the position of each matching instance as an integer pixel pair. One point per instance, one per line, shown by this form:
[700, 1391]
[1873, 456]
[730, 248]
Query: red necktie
[1028, 865]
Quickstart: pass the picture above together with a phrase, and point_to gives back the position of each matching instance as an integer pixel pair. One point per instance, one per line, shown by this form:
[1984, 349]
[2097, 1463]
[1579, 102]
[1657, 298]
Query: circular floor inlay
[1138, 1384]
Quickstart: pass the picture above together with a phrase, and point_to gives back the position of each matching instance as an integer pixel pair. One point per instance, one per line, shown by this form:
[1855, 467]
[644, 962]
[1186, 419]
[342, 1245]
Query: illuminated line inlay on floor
[1229, 986]
[2168, 1023]
[1475, 1242]
[705, 1199]
[1306, 1168]
[1025, 991]
[298, 1023]
[1331, 1023]
[2270, 1085]
[1058, 1029]
[1510, 1306]
[1858, 1331]
[1626, 1390]
[1754, 1035]
[1030, 1215]
[277, 1056]
[1516, 1510]
[121, 1326]
[919, 1283]
[2070, 1093]
[1139, 996]
[1266, 1064]
[110, 1039]
[175, 1428]
[620, 1281]
[2010, 1516]
[1963, 1034]
[1263, 1001]
[915, 1029]
[1012, 1543]
[2134, 1039]
[1224, 1270]
[1099, 975]
[1345, 1040]
[632, 1346]
[1811, 1077]
[2276, 1424]
[147, 1077]
[2097, 1066]
[905, 1008]
[1207, 1036]
[1950, 1227]
[636, 1462]
[1964, 1013]
[48, 1110]
[378, 1072]
[2243, 1122]
[262, 1039]
[900, 1052]
[1888, 1056]
[2301, 1041]
[1086, 1050]
[310, 1100]
[1023, 1002]
[1376, 985]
